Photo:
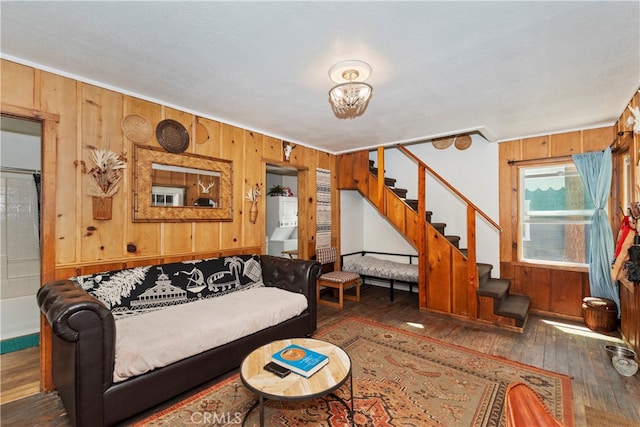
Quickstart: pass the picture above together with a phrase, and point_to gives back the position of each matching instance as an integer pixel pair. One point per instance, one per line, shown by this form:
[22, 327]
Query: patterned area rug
[400, 379]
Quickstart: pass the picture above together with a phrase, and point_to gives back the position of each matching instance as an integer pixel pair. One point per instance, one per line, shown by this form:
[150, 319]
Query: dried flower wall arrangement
[253, 195]
[108, 168]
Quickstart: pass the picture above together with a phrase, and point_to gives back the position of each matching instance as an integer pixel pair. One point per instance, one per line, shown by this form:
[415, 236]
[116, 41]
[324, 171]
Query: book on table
[300, 360]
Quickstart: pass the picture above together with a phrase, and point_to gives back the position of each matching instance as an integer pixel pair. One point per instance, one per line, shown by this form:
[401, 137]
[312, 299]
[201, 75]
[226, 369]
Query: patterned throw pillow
[139, 290]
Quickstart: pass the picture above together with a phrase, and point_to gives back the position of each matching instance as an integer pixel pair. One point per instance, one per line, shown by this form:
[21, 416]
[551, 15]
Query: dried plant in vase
[252, 196]
[108, 168]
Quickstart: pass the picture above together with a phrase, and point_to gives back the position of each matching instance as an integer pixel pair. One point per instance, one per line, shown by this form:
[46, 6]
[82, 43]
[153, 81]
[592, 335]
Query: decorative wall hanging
[442, 143]
[205, 186]
[635, 120]
[323, 208]
[137, 128]
[288, 148]
[202, 134]
[172, 136]
[108, 168]
[462, 142]
[252, 196]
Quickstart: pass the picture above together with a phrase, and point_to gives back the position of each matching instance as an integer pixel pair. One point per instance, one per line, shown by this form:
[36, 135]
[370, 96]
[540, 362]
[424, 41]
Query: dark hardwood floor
[565, 347]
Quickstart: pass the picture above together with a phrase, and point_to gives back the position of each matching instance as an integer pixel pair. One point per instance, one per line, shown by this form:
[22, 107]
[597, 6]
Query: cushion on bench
[384, 269]
[159, 338]
[339, 276]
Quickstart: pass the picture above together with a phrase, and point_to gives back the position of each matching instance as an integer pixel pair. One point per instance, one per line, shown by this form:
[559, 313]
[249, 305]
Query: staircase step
[484, 272]
[401, 192]
[389, 182]
[494, 288]
[515, 307]
[454, 240]
[439, 226]
[413, 204]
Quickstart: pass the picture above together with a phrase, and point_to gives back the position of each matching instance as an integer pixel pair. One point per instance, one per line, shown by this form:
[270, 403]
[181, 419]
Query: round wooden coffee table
[296, 387]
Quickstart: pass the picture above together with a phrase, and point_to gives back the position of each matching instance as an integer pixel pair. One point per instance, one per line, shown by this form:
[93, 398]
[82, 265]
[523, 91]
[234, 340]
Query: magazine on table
[300, 360]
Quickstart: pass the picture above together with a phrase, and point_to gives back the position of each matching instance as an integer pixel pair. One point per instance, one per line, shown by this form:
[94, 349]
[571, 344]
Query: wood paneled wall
[90, 115]
[551, 289]
[76, 114]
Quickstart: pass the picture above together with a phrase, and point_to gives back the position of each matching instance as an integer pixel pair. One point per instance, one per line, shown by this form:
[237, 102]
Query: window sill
[551, 266]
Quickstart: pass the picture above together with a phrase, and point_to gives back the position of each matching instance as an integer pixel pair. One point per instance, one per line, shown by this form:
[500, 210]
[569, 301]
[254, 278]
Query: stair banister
[435, 174]
[472, 269]
[380, 188]
[472, 210]
[422, 237]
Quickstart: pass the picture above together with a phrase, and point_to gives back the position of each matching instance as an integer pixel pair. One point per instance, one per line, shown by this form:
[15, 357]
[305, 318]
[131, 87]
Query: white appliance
[282, 224]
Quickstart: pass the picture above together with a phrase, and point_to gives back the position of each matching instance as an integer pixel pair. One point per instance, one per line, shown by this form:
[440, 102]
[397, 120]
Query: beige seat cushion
[159, 338]
[339, 276]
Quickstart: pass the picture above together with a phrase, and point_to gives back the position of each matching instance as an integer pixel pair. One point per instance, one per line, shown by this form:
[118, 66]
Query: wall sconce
[350, 97]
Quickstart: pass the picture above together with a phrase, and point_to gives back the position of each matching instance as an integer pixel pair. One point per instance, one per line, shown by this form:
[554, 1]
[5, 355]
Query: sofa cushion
[159, 338]
[140, 290]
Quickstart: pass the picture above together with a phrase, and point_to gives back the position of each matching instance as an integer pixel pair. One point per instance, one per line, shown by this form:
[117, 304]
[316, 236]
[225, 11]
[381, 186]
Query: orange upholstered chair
[525, 408]
[338, 280]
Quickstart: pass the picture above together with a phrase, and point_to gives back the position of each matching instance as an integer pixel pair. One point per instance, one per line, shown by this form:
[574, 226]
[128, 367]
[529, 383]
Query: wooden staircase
[451, 281]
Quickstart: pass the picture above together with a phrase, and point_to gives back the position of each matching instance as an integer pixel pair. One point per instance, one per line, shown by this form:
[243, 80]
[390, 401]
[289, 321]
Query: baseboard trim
[19, 343]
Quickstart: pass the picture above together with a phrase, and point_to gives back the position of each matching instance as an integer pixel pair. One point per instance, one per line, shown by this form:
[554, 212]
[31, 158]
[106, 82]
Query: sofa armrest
[83, 348]
[295, 275]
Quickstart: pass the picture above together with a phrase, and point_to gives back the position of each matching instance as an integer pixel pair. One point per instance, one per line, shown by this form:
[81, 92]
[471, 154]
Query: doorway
[20, 268]
[20, 162]
[281, 222]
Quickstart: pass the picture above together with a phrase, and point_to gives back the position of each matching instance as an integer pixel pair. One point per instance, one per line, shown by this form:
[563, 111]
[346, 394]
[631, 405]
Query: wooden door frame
[48, 160]
[302, 177]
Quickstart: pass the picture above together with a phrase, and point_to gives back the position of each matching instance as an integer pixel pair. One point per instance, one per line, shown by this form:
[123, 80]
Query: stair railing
[472, 211]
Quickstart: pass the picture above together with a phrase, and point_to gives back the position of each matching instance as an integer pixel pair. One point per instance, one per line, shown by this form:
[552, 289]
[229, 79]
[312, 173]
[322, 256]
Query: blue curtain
[595, 171]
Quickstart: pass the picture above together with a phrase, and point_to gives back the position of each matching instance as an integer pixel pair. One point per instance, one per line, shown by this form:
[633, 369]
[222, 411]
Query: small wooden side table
[295, 387]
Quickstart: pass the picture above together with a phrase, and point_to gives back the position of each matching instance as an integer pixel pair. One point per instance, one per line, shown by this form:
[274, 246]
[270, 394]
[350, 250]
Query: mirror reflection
[174, 186]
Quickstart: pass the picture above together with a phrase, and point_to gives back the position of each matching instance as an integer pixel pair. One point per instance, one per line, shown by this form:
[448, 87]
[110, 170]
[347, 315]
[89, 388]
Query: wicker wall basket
[102, 207]
[137, 128]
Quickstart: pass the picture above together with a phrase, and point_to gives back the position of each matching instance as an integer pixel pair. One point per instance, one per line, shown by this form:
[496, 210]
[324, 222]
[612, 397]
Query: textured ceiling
[505, 69]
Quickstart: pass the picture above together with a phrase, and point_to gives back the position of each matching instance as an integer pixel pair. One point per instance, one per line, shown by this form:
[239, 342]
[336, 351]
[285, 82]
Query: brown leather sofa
[83, 348]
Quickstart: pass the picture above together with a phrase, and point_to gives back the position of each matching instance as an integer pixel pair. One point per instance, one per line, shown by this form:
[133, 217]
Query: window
[555, 215]
[167, 196]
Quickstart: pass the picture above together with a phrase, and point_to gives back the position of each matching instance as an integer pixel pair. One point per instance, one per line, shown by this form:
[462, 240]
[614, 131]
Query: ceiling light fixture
[350, 97]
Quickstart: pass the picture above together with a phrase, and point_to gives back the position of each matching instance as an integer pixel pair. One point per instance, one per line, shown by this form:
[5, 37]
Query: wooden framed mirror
[170, 187]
